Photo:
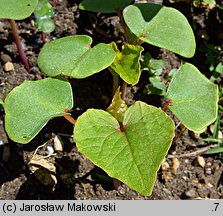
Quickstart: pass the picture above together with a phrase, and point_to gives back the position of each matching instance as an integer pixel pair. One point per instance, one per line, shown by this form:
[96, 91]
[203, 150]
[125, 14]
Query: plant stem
[43, 37]
[168, 103]
[123, 25]
[70, 119]
[19, 45]
[179, 134]
[165, 107]
[115, 80]
[139, 42]
[124, 85]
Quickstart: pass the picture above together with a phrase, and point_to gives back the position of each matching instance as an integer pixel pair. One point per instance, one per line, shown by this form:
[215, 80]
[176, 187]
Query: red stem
[179, 135]
[168, 103]
[70, 119]
[43, 37]
[165, 107]
[19, 44]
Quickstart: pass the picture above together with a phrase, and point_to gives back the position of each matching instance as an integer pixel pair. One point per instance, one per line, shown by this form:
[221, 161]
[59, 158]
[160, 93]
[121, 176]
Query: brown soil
[180, 177]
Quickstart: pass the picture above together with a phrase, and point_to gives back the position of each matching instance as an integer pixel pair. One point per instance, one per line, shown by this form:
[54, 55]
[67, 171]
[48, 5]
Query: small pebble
[210, 185]
[58, 144]
[191, 193]
[1, 143]
[208, 171]
[194, 181]
[8, 66]
[185, 178]
[50, 150]
[122, 191]
[165, 166]
[32, 22]
[175, 165]
[167, 176]
[5, 58]
[200, 161]
[209, 164]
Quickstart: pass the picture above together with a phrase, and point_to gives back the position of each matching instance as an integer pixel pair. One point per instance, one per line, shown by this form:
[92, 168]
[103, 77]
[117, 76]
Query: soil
[186, 173]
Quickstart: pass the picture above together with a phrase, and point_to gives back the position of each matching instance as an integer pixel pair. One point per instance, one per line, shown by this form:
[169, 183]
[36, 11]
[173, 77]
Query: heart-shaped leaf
[104, 6]
[161, 26]
[31, 105]
[194, 98]
[73, 56]
[126, 63]
[18, 10]
[133, 155]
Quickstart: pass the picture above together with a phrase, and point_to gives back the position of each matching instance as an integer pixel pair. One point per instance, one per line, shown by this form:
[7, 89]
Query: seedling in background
[217, 134]
[154, 67]
[214, 54]
[17, 10]
[128, 143]
[216, 71]
[43, 14]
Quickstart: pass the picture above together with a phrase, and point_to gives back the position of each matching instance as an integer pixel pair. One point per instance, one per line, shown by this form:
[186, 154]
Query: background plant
[43, 14]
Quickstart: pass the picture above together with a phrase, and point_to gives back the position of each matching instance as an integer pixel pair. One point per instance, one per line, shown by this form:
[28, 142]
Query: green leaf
[161, 26]
[18, 10]
[31, 105]
[194, 98]
[208, 1]
[46, 25]
[172, 73]
[118, 107]
[157, 83]
[153, 90]
[104, 6]
[43, 14]
[216, 128]
[212, 140]
[219, 68]
[133, 155]
[215, 150]
[154, 66]
[1, 103]
[126, 63]
[73, 56]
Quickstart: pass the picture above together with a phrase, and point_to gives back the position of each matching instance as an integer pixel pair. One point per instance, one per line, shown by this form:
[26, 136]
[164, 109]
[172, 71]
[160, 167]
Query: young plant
[213, 60]
[215, 138]
[128, 143]
[154, 67]
[43, 14]
[17, 10]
